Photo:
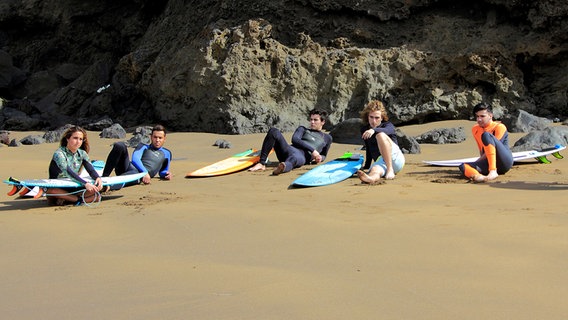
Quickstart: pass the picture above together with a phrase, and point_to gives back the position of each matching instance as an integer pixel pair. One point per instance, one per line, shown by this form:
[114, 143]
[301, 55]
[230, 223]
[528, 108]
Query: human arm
[98, 183]
[165, 171]
[320, 156]
[477, 131]
[138, 164]
[137, 157]
[313, 142]
[385, 127]
[298, 142]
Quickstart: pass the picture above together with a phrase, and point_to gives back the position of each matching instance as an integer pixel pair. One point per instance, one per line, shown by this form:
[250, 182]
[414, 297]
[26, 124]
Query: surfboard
[24, 186]
[539, 155]
[237, 162]
[99, 166]
[331, 172]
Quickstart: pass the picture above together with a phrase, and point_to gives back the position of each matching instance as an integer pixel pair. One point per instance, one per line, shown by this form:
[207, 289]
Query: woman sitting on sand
[381, 144]
[67, 162]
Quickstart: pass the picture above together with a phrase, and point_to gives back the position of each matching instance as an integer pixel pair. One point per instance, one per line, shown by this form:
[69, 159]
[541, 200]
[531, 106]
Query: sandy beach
[427, 245]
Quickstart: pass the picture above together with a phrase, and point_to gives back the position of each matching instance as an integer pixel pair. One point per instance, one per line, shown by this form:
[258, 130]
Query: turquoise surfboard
[331, 172]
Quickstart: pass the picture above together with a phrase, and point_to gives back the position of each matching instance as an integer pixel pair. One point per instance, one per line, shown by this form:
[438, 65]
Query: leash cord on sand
[96, 200]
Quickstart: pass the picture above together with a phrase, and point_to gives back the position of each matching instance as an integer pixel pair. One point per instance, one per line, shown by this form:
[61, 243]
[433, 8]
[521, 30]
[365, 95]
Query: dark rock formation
[32, 139]
[243, 66]
[141, 135]
[115, 131]
[442, 136]
[542, 139]
[348, 131]
[4, 137]
[407, 143]
[522, 121]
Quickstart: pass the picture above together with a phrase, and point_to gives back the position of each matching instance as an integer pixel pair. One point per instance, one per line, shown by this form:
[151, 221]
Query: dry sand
[427, 245]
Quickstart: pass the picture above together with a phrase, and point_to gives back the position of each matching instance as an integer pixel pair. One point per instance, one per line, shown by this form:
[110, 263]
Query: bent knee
[120, 145]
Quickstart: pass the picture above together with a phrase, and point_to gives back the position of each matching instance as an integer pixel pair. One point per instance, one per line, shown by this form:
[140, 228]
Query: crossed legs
[59, 197]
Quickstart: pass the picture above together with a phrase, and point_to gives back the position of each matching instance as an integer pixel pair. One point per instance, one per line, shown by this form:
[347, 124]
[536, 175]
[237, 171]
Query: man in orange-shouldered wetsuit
[492, 140]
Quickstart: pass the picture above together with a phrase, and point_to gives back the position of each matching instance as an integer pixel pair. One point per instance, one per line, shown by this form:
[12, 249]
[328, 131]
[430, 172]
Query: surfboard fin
[543, 159]
[24, 191]
[40, 192]
[15, 189]
[557, 155]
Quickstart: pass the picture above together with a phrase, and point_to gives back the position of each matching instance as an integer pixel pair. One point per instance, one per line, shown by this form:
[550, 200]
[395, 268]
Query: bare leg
[90, 197]
[385, 147]
[60, 197]
[372, 177]
[57, 194]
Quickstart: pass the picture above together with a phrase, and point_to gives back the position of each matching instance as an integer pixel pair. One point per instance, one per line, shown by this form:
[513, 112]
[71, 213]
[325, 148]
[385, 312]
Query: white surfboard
[539, 155]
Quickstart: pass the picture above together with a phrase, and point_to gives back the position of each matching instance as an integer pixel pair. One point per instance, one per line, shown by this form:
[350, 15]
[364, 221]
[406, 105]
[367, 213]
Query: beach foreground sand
[427, 245]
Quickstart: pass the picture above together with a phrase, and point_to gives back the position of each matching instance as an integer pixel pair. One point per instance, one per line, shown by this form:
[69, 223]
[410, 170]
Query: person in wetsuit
[151, 158]
[492, 141]
[309, 145]
[67, 161]
[381, 144]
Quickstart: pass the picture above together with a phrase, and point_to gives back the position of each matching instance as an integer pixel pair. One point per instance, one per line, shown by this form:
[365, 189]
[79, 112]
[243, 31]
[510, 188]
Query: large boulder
[522, 121]
[443, 136]
[541, 139]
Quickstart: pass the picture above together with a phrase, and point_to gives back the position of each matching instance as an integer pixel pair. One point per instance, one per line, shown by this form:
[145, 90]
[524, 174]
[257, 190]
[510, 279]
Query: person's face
[315, 122]
[158, 138]
[375, 118]
[75, 141]
[483, 118]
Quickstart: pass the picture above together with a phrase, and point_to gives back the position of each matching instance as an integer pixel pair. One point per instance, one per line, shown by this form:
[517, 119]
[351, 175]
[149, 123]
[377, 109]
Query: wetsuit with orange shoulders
[493, 144]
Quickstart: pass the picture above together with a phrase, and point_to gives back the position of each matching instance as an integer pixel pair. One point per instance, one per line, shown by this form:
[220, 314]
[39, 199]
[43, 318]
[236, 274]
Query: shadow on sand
[526, 185]
[28, 203]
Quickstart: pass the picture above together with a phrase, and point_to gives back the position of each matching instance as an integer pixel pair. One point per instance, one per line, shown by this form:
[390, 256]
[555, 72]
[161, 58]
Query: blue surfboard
[331, 172]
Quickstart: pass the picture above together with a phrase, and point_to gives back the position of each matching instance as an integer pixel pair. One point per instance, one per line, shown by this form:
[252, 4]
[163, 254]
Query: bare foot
[281, 167]
[365, 177]
[492, 175]
[258, 167]
[479, 178]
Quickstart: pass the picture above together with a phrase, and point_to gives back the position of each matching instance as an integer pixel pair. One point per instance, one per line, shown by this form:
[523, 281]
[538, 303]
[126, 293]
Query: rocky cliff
[243, 66]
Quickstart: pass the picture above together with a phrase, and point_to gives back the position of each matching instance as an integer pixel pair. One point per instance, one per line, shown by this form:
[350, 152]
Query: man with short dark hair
[151, 158]
[309, 145]
[492, 141]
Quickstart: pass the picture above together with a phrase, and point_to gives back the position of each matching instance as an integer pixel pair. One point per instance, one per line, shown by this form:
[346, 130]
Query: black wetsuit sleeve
[298, 142]
[90, 169]
[75, 175]
[166, 164]
[328, 141]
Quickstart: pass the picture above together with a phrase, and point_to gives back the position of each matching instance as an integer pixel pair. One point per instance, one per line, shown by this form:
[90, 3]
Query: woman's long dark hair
[69, 132]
